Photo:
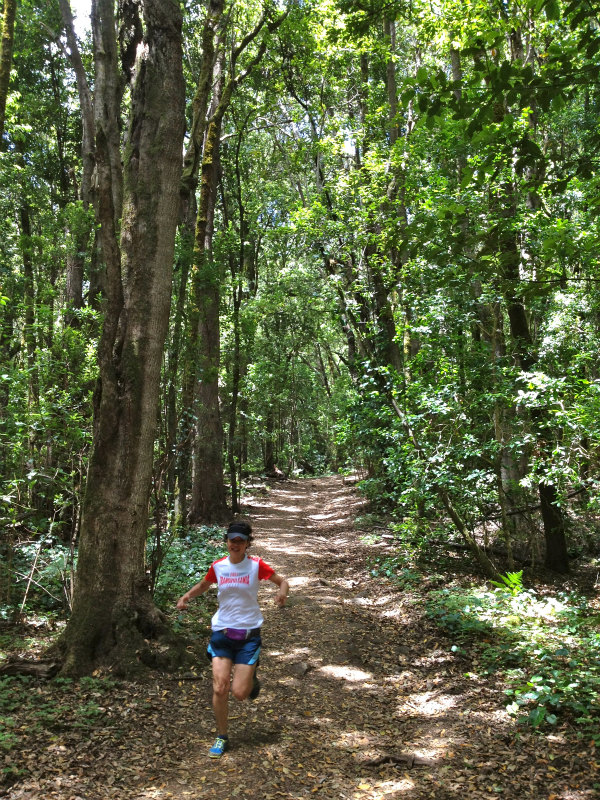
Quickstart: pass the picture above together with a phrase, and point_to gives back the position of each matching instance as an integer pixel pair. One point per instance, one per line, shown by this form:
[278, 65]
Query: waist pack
[240, 634]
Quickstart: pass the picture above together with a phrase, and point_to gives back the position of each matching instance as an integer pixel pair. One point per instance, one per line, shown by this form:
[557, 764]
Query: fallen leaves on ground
[362, 699]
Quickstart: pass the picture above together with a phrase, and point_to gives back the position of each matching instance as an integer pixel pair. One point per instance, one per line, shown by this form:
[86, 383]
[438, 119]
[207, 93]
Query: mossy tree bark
[191, 168]
[209, 501]
[112, 610]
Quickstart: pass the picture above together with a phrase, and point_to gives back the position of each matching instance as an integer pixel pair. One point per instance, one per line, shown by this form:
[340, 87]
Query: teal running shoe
[219, 747]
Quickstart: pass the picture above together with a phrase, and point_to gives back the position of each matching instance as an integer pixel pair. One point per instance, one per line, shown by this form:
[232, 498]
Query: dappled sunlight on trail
[362, 698]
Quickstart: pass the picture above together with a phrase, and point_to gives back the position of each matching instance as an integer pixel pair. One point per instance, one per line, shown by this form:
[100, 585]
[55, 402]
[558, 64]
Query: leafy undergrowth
[42, 575]
[40, 720]
[364, 695]
[45, 723]
[545, 648]
[181, 561]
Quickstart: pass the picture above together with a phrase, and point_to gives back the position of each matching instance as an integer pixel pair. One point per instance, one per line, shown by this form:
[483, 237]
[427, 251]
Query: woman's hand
[284, 588]
[182, 603]
[195, 591]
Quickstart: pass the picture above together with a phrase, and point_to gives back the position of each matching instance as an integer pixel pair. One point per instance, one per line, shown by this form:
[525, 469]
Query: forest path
[362, 697]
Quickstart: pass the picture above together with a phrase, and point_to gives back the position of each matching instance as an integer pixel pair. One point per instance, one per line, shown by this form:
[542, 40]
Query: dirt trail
[362, 697]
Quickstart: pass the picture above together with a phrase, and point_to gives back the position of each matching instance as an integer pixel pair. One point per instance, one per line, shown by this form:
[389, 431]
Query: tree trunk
[30, 334]
[208, 489]
[557, 558]
[112, 608]
[189, 180]
[6, 50]
[237, 270]
[524, 352]
[209, 502]
[269, 442]
[173, 445]
[81, 234]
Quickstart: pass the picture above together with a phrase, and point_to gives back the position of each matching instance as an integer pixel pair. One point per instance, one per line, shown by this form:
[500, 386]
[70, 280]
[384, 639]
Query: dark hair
[240, 527]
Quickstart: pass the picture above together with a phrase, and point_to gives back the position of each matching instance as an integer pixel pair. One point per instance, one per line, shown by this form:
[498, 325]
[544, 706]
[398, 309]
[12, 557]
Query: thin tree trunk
[209, 502]
[6, 51]
[191, 167]
[208, 489]
[80, 237]
[269, 442]
[29, 297]
[173, 445]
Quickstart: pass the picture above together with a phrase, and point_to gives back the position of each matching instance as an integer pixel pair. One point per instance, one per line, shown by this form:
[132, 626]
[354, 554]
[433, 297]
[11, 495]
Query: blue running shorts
[246, 651]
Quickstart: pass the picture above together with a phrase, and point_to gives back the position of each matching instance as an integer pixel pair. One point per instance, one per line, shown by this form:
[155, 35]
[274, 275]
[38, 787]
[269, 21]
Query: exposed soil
[362, 697]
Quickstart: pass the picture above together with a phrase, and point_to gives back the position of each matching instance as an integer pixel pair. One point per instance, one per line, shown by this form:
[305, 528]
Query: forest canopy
[289, 238]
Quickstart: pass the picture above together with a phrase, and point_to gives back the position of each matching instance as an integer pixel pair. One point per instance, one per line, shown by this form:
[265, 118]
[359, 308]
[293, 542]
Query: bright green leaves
[544, 648]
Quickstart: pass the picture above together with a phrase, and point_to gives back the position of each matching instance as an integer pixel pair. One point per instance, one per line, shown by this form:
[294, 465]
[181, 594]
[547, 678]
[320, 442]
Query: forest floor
[362, 698]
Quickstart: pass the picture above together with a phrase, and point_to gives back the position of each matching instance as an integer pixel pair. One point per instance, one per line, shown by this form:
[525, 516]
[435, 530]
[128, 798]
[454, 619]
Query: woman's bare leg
[221, 668]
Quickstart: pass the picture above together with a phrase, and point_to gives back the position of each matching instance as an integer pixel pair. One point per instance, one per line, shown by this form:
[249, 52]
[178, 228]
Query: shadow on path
[362, 698]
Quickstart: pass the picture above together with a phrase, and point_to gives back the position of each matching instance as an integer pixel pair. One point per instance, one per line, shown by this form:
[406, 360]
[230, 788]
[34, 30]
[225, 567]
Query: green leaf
[529, 146]
[552, 9]
[422, 75]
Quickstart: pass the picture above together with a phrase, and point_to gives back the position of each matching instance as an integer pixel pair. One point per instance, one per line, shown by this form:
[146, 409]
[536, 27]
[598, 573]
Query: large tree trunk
[112, 609]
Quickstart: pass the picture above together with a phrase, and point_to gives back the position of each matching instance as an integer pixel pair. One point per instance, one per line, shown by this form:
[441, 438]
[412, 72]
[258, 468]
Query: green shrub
[545, 648]
[184, 561]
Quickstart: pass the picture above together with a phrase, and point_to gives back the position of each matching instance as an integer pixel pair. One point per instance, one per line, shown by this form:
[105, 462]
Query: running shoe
[219, 747]
[255, 689]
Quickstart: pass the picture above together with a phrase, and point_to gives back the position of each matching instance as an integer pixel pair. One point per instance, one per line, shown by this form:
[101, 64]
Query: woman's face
[237, 549]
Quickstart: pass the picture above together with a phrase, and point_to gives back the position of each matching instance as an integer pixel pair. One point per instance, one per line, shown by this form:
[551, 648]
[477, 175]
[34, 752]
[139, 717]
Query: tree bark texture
[209, 502]
[191, 168]
[81, 234]
[6, 51]
[193, 155]
[112, 607]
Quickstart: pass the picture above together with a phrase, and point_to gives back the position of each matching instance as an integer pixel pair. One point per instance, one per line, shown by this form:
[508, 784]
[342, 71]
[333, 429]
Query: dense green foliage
[182, 561]
[404, 254]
